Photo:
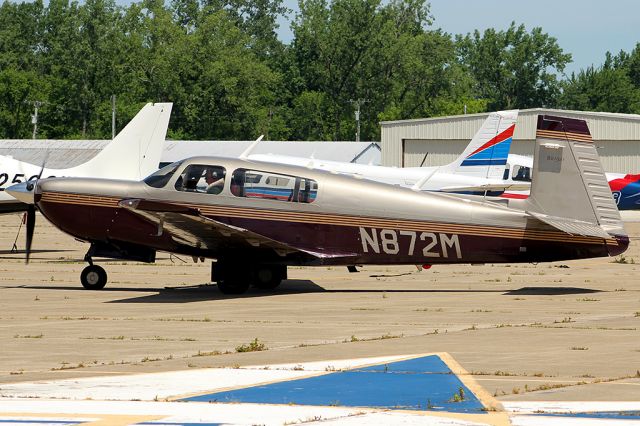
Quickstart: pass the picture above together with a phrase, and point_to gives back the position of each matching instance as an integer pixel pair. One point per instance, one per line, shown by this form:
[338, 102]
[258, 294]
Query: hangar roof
[603, 125]
[69, 153]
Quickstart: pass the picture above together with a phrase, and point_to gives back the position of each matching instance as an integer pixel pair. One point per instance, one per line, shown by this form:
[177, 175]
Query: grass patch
[207, 353]
[254, 346]
[458, 396]
[67, 366]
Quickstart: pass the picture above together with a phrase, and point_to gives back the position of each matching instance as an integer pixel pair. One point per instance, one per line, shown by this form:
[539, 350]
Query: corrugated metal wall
[616, 135]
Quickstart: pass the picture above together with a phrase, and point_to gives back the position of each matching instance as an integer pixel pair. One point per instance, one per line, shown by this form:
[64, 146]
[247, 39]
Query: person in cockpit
[215, 181]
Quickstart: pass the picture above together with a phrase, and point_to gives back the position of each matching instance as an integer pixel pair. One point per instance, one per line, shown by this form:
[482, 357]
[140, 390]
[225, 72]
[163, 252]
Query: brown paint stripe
[552, 134]
[397, 224]
[339, 220]
[94, 200]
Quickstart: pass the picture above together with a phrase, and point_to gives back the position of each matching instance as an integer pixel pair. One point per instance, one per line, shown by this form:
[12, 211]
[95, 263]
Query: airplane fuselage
[348, 222]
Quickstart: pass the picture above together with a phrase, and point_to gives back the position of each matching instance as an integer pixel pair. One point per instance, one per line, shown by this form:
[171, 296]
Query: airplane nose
[24, 192]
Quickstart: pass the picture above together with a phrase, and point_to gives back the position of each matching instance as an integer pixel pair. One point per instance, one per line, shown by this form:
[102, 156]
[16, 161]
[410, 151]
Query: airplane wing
[188, 226]
[525, 186]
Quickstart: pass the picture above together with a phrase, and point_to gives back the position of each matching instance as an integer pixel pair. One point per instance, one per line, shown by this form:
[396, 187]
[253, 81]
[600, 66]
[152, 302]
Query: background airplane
[264, 217]
[480, 168]
[624, 187]
[132, 155]
[484, 168]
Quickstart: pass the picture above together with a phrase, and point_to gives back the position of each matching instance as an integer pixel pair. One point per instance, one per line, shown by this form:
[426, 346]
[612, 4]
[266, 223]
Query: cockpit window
[273, 186]
[160, 178]
[507, 169]
[521, 173]
[202, 178]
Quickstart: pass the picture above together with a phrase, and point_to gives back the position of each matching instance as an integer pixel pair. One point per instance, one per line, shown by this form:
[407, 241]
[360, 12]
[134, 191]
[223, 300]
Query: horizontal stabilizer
[572, 226]
[490, 187]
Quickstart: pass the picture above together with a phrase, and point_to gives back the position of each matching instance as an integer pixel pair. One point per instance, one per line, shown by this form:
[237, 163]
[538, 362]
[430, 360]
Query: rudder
[486, 155]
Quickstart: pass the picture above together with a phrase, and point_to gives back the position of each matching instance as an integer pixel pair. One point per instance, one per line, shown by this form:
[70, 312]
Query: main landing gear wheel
[93, 277]
[268, 277]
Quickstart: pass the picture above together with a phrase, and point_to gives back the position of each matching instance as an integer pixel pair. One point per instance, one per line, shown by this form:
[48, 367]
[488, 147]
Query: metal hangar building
[438, 141]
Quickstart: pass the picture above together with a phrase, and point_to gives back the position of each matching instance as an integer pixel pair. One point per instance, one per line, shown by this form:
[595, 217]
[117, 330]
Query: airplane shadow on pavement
[549, 291]
[202, 292]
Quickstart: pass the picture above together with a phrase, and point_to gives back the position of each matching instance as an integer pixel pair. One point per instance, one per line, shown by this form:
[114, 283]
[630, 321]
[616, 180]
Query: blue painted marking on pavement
[424, 383]
[425, 365]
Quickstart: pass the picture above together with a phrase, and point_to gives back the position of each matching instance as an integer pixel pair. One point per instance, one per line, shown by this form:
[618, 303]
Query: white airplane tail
[486, 155]
[135, 152]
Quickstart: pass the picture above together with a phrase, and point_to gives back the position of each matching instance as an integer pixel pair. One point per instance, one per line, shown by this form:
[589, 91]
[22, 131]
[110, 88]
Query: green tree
[18, 91]
[608, 88]
[346, 50]
[514, 68]
[255, 18]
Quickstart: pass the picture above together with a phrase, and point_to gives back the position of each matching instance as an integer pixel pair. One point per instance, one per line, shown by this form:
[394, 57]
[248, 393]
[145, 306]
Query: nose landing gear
[93, 277]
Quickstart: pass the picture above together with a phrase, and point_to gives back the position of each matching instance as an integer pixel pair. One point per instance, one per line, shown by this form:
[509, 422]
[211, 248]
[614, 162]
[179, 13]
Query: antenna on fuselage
[251, 147]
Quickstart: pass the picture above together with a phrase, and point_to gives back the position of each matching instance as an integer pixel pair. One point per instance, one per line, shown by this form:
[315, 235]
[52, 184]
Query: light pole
[34, 118]
[358, 102]
[113, 116]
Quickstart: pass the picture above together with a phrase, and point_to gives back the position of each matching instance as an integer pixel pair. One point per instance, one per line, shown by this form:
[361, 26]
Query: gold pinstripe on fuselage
[341, 220]
[555, 134]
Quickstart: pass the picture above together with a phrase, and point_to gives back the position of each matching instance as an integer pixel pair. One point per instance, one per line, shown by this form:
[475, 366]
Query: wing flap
[490, 187]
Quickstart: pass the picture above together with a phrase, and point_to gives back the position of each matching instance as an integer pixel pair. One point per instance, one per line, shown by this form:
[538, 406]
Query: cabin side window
[521, 173]
[202, 178]
[507, 170]
[273, 186]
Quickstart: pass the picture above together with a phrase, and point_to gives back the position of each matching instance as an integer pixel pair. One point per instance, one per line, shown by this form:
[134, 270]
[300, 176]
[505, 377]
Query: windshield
[160, 178]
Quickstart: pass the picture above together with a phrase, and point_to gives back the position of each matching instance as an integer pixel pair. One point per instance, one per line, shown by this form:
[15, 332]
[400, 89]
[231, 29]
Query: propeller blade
[31, 223]
[46, 157]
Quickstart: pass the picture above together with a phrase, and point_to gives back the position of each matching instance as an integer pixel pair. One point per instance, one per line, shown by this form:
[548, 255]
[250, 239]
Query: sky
[585, 28]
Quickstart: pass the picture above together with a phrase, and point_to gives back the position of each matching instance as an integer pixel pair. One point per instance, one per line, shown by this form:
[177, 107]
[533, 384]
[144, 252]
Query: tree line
[229, 76]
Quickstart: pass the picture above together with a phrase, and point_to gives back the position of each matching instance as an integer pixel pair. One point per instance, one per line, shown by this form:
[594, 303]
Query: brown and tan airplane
[255, 218]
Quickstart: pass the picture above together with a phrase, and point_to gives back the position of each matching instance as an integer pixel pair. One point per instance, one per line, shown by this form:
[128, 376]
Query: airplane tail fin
[569, 188]
[486, 154]
[135, 152]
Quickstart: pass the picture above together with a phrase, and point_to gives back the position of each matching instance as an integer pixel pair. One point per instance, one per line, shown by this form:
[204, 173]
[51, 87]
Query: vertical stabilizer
[568, 179]
[486, 155]
[135, 152]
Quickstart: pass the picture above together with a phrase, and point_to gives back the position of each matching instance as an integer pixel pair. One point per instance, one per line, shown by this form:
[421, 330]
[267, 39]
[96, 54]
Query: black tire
[267, 278]
[93, 277]
[233, 285]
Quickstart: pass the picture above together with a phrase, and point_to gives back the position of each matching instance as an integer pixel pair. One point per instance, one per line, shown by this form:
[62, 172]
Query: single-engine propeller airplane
[256, 218]
[133, 154]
